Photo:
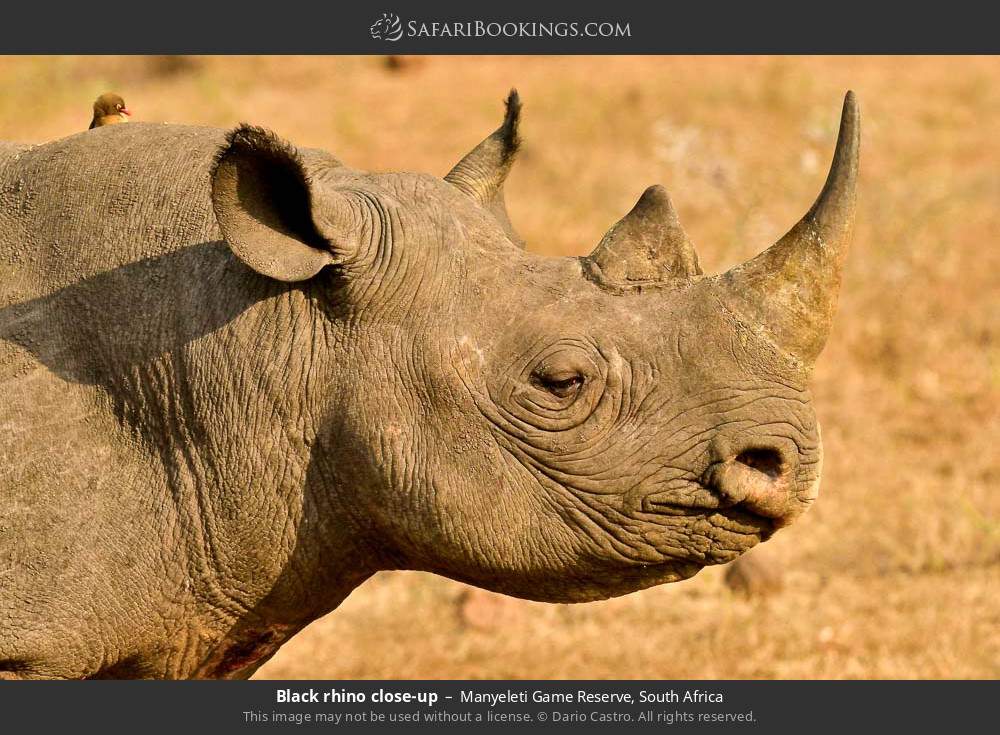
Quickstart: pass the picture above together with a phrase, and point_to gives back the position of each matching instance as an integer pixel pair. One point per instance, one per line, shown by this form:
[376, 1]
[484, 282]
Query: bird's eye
[561, 385]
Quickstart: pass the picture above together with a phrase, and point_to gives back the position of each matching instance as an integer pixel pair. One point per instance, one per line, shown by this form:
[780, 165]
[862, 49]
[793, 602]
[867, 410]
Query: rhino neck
[236, 418]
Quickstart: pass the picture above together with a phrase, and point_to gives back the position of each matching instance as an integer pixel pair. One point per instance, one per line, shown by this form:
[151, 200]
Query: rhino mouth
[733, 517]
[738, 518]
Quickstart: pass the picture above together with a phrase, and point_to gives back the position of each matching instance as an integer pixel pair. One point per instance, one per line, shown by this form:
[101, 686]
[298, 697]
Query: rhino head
[556, 428]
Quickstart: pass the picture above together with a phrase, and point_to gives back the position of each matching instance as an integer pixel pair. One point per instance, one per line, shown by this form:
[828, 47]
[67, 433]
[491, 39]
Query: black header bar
[508, 27]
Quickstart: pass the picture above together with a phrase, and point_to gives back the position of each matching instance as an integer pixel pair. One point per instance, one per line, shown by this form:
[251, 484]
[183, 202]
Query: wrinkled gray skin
[236, 380]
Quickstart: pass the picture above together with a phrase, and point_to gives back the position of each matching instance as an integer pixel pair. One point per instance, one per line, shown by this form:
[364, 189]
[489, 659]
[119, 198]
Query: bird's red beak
[125, 111]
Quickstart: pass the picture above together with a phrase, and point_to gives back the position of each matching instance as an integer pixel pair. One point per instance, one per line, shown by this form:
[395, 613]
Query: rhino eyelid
[562, 385]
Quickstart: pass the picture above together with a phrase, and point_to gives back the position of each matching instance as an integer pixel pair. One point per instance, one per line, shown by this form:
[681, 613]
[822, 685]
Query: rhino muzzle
[754, 487]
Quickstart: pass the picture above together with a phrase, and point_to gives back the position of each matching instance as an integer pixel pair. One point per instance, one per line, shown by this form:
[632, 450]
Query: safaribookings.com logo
[390, 28]
[387, 28]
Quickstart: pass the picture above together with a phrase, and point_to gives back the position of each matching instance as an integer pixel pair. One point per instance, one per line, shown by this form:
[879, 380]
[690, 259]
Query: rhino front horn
[646, 246]
[791, 288]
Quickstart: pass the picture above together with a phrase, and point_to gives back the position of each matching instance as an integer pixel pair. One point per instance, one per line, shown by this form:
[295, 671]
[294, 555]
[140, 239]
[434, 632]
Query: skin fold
[237, 379]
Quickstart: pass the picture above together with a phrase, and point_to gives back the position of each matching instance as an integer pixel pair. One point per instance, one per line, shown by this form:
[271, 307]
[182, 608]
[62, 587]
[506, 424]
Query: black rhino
[237, 379]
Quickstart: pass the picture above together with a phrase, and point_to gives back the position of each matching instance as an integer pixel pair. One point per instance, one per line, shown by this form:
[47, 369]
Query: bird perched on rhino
[109, 109]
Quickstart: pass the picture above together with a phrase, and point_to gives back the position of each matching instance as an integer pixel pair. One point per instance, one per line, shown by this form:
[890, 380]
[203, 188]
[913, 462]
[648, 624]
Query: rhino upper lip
[733, 511]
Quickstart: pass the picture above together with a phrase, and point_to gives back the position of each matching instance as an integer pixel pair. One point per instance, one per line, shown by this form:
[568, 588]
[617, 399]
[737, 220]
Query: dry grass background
[896, 570]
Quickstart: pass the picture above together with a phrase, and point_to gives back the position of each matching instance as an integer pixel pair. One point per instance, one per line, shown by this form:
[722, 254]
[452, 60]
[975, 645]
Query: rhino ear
[264, 204]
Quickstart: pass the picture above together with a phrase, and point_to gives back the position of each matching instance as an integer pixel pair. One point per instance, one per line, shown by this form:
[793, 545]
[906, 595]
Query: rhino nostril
[766, 461]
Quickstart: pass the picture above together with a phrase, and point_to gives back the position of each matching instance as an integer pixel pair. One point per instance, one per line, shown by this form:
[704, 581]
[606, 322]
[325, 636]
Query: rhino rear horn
[482, 172]
[647, 245]
[791, 288]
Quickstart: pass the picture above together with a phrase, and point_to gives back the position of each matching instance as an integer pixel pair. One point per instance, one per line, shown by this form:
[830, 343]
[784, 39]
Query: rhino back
[98, 200]
[107, 243]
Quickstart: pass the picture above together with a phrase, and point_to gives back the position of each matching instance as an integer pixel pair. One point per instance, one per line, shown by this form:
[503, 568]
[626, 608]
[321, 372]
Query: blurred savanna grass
[896, 570]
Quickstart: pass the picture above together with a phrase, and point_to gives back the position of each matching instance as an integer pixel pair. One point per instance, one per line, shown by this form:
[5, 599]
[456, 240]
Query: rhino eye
[561, 385]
